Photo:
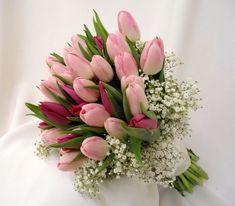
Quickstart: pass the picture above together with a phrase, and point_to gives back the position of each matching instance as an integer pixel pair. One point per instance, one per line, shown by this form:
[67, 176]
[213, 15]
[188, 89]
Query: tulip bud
[95, 148]
[136, 96]
[126, 80]
[43, 125]
[94, 114]
[114, 128]
[55, 135]
[99, 42]
[75, 41]
[51, 60]
[128, 26]
[51, 84]
[152, 57]
[125, 65]
[62, 71]
[101, 68]
[67, 162]
[51, 136]
[78, 64]
[70, 91]
[116, 45]
[55, 112]
[87, 94]
[142, 121]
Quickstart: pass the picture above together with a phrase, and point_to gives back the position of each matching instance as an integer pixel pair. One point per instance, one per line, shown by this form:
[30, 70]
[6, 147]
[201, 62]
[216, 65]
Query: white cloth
[200, 32]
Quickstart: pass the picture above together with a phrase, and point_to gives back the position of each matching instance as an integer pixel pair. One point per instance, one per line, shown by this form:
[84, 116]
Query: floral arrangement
[113, 108]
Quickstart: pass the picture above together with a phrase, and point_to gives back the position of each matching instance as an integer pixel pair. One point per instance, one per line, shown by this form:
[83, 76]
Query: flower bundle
[112, 108]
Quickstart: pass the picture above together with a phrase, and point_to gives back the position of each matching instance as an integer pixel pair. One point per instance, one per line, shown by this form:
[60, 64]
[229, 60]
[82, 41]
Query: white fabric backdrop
[200, 32]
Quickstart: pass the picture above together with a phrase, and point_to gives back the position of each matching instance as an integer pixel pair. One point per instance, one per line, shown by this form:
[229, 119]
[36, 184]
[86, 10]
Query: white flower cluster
[42, 151]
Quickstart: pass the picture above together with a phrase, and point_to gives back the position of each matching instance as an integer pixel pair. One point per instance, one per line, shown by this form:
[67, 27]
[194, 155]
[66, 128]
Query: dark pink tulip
[70, 91]
[142, 121]
[66, 138]
[99, 42]
[76, 109]
[43, 125]
[105, 100]
[55, 112]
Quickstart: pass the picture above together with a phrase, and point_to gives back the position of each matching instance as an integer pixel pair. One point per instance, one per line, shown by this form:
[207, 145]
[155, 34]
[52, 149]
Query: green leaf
[75, 119]
[148, 135]
[88, 35]
[59, 58]
[78, 157]
[87, 130]
[108, 160]
[92, 48]
[133, 48]
[149, 114]
[99, 27]
[91, 87]
[63, 79]
[116, 107]
[126, 107]
[72, 144]
[86, 54]
[135, 147]
[114, 92]
[59, 99]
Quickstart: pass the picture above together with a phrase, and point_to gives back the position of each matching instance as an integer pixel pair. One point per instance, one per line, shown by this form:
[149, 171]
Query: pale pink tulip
[62, 71]
[51, 136]
[67, 162]
[126, 80]
[95, 148]
[152, 57]
[52, 84]
[116, 45]
[75, 41]
[79, 66]
[101, 68]
[136, 96]
[114, 128]
[128, 26]
[51, 60]
[94, 114]
[87, 94]
[125, 65]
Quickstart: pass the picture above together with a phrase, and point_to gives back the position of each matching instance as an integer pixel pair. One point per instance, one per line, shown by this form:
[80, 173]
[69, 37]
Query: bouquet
[113, 108]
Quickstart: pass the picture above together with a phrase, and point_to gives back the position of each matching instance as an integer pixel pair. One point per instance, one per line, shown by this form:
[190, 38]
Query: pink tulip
[99, 42]
[51, 136]
[136, 96]
[62, 71]
[128, 26]
[78, 64]
[51, 60]
[67, 162]
[101, 68]
[75, 41]
[43, 125]
[87, 94]
[52, 84]
[70, 91]
[94, 114]
[116, 45]
[55, 135]
[152, 57]
[114, 128]
[55, 112]
[142, 121]
[125, 65]
[95, 148]
[126, 80]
